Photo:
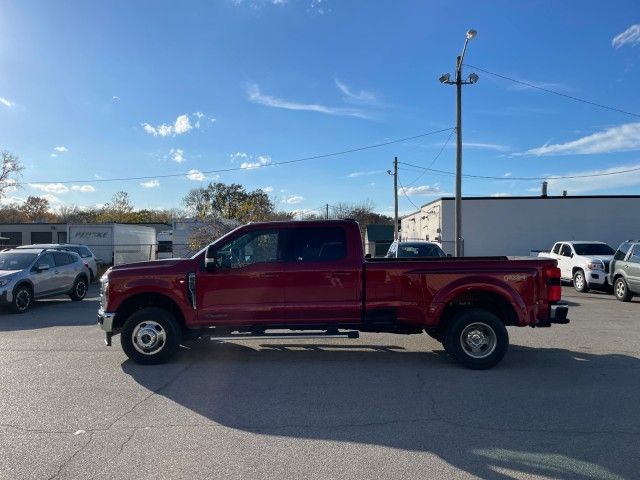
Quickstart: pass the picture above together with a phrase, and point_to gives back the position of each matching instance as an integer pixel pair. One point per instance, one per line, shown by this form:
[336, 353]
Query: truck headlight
[595, 266]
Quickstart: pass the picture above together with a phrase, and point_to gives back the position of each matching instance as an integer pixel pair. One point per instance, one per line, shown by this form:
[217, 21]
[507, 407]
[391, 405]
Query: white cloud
[61, 148]
[6, 102]
[198, 114]
[352, 95]
[53, 155]
[177, 155]
[51, 198]
[261, 161]
[500, 194]
[50, 187]
[294, 199]
[592, 184]
[420, 190]
[181, 125]
[268, 189]
[83, 188]
[150, 184]
[508, 174]
[115, 98]
[256, 96]
[631, 36]
[363, 174]
[484, 146]
[622, 138]
[195, 175]
[239, 155]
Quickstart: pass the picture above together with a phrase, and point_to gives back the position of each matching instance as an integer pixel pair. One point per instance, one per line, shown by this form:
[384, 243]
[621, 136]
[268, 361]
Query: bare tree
[11, 170]
[36, 208]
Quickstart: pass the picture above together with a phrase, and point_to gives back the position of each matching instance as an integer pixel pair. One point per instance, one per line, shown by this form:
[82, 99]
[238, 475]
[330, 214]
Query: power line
[548, 90]
[444, 145]
[550, 177]
[405, 193]
[233, 169]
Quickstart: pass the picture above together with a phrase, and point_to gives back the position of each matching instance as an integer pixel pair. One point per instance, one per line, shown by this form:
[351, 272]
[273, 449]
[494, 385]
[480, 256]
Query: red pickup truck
[291, 278]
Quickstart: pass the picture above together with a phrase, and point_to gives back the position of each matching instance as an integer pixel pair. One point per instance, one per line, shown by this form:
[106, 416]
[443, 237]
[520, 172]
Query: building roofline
[523, 197]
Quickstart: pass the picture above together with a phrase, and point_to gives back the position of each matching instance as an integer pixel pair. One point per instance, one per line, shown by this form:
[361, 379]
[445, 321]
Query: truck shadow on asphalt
[547, 412]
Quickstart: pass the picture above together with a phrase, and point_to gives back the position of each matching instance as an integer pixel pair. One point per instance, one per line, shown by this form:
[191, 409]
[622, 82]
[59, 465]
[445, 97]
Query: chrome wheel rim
[478, 340]
[579, 281]
[81, 289]
[23, 299]
[620, 289]
[149, 337]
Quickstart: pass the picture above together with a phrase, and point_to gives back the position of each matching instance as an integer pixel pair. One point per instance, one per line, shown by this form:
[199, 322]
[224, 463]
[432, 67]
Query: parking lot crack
[66, 463]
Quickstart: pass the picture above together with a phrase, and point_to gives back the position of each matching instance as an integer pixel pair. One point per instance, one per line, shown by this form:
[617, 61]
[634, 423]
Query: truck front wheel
[476, 339]
[151, 336]
[580, 282]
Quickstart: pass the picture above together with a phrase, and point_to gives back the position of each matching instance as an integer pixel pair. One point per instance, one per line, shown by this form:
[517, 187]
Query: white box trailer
[116, 243]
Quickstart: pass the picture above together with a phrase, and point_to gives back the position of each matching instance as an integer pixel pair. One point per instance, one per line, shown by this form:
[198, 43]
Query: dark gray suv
[624, 273]
[29, 274]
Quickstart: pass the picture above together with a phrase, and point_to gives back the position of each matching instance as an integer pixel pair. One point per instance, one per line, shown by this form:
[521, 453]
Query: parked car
[312, 276]
[625, 271]
[27, 274]
[418, 249]
[85, 253]
[586, 264]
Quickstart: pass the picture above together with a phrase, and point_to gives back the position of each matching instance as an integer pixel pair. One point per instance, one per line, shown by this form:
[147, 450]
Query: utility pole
[327, 212]
[458, 82]
[395, 196]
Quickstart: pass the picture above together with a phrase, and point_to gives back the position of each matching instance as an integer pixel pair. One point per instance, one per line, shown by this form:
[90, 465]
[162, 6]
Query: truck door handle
[340, 274]
[269, 275]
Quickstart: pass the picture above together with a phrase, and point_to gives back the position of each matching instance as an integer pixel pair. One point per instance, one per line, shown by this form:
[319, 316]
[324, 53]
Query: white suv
[586, 264]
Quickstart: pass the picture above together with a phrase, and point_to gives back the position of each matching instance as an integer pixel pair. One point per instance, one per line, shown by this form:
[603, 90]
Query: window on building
[13, 239]
[41, 237]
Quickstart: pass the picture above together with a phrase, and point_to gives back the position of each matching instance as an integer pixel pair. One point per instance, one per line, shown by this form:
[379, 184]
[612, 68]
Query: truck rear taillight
[554, 291]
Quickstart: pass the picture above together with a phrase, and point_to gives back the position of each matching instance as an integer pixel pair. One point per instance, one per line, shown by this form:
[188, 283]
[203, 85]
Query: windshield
[419, 250]
[593, 249]
[16, 261]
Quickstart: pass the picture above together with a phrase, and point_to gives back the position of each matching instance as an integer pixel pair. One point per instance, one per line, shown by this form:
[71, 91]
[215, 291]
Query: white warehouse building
[521, 225]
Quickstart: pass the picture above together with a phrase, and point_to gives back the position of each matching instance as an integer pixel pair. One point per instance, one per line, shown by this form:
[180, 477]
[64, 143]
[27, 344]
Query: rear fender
[478, 283]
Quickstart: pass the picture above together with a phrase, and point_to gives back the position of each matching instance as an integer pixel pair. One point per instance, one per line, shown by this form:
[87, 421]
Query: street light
[458, 82]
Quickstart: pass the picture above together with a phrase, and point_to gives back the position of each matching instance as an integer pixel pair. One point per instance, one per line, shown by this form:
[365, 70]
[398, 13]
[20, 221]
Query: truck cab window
[565, 251]
[316, 245]
[556, 248]
[250, 248]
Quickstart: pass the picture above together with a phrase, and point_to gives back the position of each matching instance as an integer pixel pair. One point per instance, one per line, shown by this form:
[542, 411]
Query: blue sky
[97, 90]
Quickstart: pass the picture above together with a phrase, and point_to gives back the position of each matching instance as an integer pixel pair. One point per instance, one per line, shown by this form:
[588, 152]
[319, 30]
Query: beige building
[520, 225]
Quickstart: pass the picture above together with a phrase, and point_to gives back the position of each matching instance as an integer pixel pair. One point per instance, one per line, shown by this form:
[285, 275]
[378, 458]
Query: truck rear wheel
[151, 336]
[476, 339]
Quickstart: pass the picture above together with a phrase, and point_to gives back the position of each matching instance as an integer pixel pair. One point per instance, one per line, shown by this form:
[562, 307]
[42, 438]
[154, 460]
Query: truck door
[632, 268]
[564, 261]
[245, 287]
[322, 280]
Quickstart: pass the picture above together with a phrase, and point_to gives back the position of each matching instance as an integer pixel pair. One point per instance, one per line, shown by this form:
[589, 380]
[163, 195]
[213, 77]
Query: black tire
[481, 326]
[22, 299]
[154, 327]
[621, 290]
[580, 282]
[79, 289]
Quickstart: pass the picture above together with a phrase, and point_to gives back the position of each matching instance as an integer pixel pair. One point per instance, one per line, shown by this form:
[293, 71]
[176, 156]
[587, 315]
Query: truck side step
[279, 336]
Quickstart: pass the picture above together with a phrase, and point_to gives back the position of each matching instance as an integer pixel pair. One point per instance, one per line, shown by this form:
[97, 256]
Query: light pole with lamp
[458, 82]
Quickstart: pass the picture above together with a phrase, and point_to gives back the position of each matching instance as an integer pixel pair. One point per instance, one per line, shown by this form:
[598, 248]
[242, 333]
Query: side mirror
[42, 267]
[210, 259]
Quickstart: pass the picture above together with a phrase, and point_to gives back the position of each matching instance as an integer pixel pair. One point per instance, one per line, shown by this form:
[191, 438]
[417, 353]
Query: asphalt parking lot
[563, 404]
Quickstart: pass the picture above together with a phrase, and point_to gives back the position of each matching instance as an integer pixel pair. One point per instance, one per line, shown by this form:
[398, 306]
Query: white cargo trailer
[116, 243]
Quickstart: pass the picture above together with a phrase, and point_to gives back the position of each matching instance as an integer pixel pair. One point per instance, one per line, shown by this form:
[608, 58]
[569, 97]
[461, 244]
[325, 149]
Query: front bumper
[105, 320]
[5, 298]
[596, 277]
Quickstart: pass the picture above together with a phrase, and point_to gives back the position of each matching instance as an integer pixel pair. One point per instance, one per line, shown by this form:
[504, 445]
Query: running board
[282, 336]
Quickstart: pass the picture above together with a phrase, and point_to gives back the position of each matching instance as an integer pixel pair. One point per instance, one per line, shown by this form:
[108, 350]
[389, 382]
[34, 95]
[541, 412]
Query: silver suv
[85, 253]
[28, 274]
